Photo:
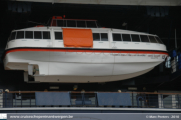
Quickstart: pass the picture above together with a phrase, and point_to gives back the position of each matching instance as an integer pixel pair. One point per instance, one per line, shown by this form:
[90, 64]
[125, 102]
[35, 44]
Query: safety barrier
[14, 99]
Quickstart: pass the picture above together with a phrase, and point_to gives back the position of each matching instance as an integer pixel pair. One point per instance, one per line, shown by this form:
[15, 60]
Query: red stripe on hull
[96, 51]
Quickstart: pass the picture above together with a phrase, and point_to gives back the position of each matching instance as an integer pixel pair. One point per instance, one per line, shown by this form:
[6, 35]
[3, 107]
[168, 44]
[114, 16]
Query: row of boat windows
[34, 35]
[126, 37]
[30, 35]
[46, 35]
[136, 38]
[96, 36]
[74, 23]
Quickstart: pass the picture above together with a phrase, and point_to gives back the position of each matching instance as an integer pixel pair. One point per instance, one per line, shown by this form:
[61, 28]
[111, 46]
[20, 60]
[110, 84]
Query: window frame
[154, 38]
[20, 31]
[46, 31]
[158, 40]
[58, 39]
[101, 37]
[147, 37]
[120, 37]
[138, 36]
[29, 31]
[11, 34]
[126, 34]
[36, 38]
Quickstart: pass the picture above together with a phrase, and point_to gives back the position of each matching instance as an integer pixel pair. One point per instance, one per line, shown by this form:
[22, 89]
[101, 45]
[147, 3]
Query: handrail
[13, 99]
[90, 92]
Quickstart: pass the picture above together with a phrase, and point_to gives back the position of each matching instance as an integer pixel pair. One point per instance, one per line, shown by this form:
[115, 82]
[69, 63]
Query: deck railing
[16, 99]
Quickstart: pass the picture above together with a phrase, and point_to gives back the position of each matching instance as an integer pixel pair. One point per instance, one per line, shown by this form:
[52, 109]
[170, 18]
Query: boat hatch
[77, 37]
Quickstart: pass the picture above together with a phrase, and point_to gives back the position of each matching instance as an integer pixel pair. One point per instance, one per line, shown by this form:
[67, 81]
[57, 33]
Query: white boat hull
[83, 66]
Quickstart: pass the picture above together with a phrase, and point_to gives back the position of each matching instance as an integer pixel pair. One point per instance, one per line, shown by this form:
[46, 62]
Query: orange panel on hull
[77, 37]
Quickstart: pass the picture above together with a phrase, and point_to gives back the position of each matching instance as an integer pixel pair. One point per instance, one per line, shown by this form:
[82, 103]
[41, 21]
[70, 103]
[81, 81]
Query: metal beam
[92, 108]
[179, 2]
[139, 2]
[114, 2]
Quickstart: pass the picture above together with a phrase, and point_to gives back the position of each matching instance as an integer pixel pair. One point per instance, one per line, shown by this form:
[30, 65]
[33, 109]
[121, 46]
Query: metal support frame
[114, 2]
[175, 102]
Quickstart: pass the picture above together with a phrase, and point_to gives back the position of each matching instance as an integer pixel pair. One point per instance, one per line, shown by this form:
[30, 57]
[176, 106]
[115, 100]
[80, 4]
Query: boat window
[81, 24]
[58, 36]
[13, 35]
[126, 37]
[96, 37]
[135, 38]
[158, 39]
[37, 35]
[152, 39]
[117, 37]
[20, 35]
[71, 23]
[91, 24]
[29, 34]
[144, 38]
[61, 23]
[46, 35]
[104, 37]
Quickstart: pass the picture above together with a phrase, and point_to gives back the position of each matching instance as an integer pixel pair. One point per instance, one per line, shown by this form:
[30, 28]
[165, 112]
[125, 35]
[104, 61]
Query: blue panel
[52, 98]
[114, 99]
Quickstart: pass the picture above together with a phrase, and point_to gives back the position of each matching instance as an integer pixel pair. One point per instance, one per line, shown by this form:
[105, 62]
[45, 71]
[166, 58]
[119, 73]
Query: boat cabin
[83, 33]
